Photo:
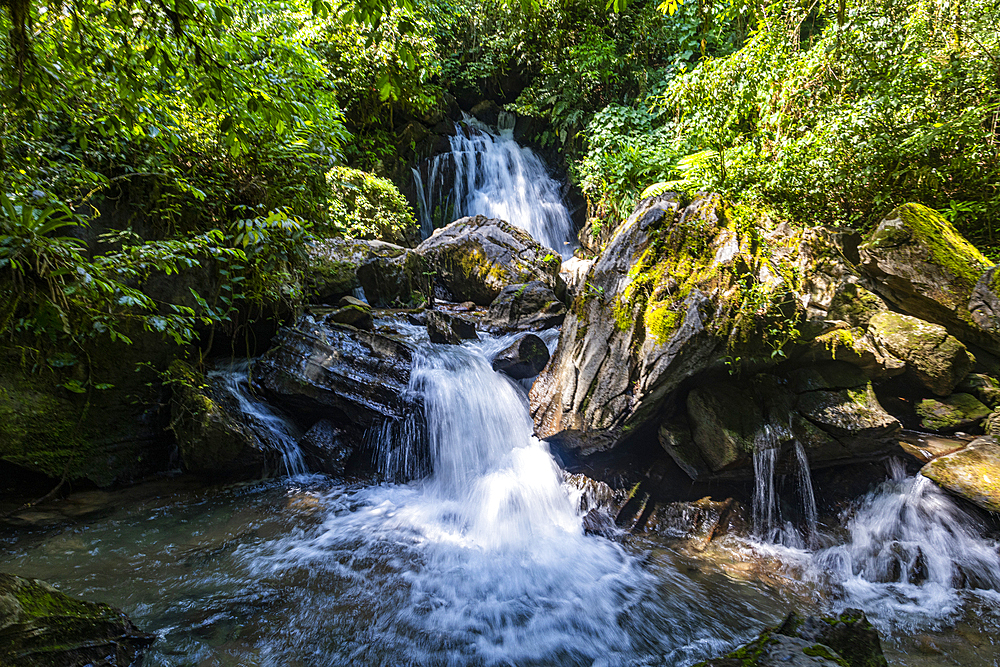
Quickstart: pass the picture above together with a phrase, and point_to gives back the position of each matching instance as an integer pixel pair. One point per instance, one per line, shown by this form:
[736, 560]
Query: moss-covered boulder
[958, 412]
[972, 472]
[333, 266]
[403, 280]
[41, 626]
[211, 435]
[527, 307]
[936, 358]
[474, 258]
[847, 640]
[919, 262]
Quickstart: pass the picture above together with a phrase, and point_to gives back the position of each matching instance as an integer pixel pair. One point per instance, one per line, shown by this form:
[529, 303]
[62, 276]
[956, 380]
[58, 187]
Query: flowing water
[490, 174]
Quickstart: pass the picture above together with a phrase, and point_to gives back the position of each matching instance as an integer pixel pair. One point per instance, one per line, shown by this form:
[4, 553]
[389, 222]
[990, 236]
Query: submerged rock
[361, 375]
[919, 262]
[524, 358]
[972, 472]
[41, 626]
[474, 258]
[449, 329]
[848, 640]
[936, 358]
[527, 307]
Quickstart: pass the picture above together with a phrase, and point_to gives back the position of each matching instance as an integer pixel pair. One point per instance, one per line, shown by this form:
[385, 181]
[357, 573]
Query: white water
[495, 177]
[768, 523]
[267, 424]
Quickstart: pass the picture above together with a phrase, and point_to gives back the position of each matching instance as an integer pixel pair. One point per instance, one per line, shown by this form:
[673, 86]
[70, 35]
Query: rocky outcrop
[847, 640]
[524, 358]
[314, 367]
[41, 626]
[972, 472]
[936, 359]
[449, 329]
[527, 307]
[474, 258]
[918, 261]
[210, 436]
[401, 280]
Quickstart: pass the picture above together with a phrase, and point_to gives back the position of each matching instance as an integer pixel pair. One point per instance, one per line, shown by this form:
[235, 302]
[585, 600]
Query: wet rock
[530, 306]
[926, 447]
[958, 412]
[333, 266]
[401, 280]
[972, 472]
[847, 640]
[919, 262]
[524, 358]
[313, 368]
[474, 258]
[699, 522]
[326, 448]
[41, 626]
[486, 112]
[357, 316]
[211, 437]
[449, 329]
[936, 358]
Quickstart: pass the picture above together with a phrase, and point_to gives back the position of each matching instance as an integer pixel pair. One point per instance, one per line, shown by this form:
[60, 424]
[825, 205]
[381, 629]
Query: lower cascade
[482, 558]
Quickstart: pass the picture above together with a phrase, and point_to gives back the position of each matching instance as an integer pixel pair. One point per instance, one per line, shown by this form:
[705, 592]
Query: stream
[484, 561]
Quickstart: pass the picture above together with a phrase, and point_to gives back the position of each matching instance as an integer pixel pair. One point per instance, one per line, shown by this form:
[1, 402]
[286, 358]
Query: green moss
[818, 650]
[662, 321]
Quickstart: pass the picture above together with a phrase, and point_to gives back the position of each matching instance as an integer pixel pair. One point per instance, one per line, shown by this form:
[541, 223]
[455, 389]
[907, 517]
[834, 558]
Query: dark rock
[983, 387]
[487, 112]
[475, 258]
[917, 260]
[847, 640]
[395, 281]
[449, 329]
[41, 626]
[326, 448]
[524, 358]
[359, 317]
[361, 374]
[972, 472]
[333, 266]
[211, 436]
[529, 307]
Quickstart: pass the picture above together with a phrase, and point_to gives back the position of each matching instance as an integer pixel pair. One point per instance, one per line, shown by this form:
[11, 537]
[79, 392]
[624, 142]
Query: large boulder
[449, 329]
[528, 307]
[333, 266]
[972, 472]
[361, 375]
[937, 359]
[474, 258]
[677, 291]
[919, 262]
[41, 626]
[524, 358]
[325, 448]
[395, 281]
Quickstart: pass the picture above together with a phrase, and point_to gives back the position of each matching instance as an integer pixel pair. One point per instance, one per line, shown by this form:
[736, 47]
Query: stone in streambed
[449, 329]
[530, 306]
[353, 312]
[325, 448]
[524, 358]
[972, 472]
[41, 626]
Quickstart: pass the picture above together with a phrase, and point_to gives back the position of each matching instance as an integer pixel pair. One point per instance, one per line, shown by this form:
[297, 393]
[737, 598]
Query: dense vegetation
[139, 139]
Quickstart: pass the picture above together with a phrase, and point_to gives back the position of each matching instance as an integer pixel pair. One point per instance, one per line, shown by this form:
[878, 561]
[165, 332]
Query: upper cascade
[491, 175]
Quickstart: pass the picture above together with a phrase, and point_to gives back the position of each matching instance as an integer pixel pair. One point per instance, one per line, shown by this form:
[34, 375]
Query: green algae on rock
[41, 626]
[951, 413]
[972, 472]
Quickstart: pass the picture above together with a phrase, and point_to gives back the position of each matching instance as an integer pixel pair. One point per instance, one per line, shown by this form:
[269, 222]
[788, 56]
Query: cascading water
[269, 426]
[911, 556]
[495, 177]
[767, 519]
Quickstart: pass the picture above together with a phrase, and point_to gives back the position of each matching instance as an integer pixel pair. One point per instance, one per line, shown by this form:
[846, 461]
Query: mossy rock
[855, 305]
[333, 265]
[937, 359]
[951, 413]
[919, 262]
[972, 472]
[41, 626]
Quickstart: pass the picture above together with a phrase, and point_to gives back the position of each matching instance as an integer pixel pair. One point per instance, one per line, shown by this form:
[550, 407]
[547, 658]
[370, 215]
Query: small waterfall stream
[493, 176]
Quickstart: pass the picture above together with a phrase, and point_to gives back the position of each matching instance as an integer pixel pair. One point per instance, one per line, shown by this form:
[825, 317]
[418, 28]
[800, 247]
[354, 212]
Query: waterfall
[768, 522]
[911, 552]
[270, 427]
[495, 177]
